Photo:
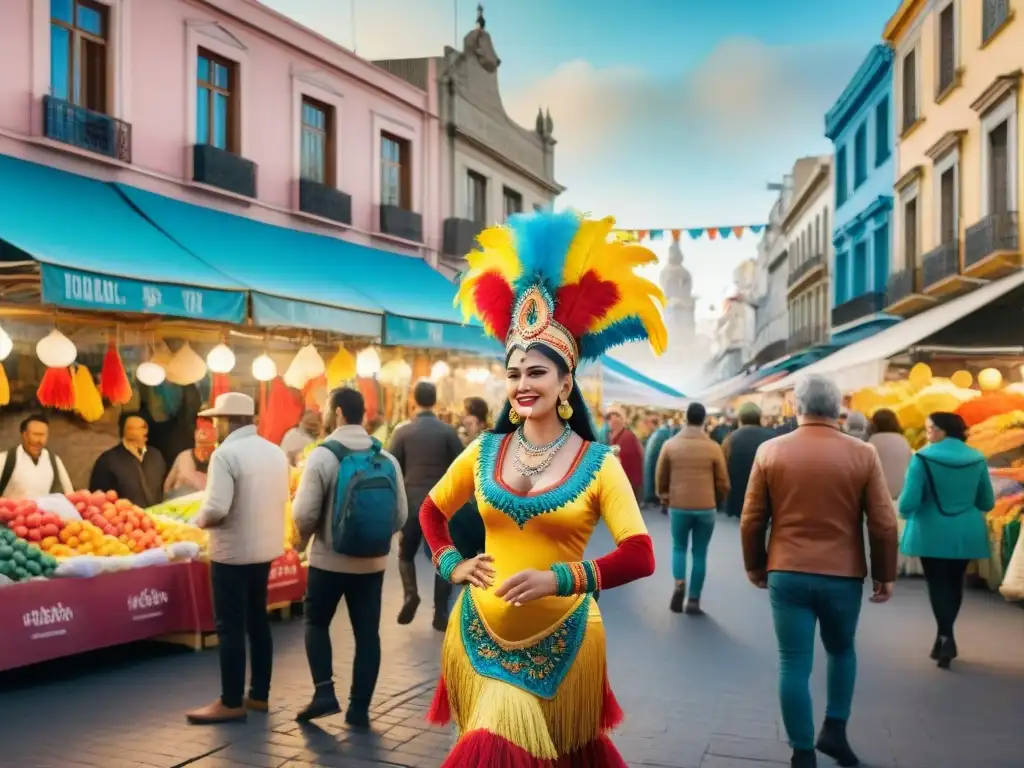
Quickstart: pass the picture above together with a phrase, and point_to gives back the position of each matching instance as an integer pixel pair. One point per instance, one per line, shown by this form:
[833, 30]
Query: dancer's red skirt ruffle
[482, 749]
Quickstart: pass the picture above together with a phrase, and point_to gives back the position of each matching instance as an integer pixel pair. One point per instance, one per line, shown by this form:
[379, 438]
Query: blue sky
[668, 113]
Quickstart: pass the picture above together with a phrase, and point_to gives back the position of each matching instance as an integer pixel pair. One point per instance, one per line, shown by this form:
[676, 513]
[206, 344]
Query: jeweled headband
[533, 323]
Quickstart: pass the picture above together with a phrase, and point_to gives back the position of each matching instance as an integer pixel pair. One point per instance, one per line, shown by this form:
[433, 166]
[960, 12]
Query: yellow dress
[526, 686]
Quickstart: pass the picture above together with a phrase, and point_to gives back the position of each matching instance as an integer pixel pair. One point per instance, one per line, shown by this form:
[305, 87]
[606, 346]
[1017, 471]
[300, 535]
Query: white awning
[723, 390]
[864, 363]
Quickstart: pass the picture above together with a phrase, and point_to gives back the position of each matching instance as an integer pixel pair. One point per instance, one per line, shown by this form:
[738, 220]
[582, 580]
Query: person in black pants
[945, 579]
[332, 576]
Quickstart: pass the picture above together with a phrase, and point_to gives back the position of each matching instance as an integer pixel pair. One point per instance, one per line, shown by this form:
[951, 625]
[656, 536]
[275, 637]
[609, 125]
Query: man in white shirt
[30, 470]
[244, 511]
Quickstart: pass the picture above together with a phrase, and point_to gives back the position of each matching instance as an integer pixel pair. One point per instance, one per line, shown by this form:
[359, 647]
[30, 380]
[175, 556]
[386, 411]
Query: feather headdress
[558, 279]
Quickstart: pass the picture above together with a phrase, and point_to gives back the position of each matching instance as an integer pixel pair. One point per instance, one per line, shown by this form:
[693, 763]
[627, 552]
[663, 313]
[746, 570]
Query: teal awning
[304, 280]
[97, 253]
[631, 374]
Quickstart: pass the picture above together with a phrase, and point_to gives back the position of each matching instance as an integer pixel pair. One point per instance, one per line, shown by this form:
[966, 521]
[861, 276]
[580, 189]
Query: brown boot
[255, 705]
[215, 713]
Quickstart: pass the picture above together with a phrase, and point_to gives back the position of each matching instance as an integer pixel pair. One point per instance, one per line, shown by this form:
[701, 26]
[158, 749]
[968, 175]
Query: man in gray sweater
[360, 580]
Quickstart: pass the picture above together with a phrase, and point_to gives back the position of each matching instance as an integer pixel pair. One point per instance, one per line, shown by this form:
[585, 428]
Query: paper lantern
[88, 401]
[962, 379]
[367, 363]
[221, 359]
[306, 365]
[264, 368]
[186, 367]
[56, 350]
[920, 376]
[990, 379]
[114, 384]
[341, 368]
[477, 375]
[395, 372]
[6, 345]
[162, 354]
[440, 370]
[151, 374]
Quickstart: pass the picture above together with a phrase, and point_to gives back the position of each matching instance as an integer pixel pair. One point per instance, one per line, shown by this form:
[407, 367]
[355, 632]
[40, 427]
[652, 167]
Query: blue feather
[542, 240]
[594, 345]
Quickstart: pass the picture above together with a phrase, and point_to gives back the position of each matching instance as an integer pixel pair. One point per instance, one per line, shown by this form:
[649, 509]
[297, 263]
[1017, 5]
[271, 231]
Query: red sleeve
[632, 559]
[435, 526]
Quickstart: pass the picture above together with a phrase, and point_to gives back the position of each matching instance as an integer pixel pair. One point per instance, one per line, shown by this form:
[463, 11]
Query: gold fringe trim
[547, 729]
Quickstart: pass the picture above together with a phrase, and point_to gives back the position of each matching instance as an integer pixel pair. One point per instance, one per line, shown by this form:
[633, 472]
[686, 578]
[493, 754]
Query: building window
[909, 90]
[841, 190]
[994, 15]
[826, 230]
[947, 48]
[880, 246]
[910, 233]
[840, 277]
[860, 155]
[513, 202]
[860, 269]
[947, 178]
[317, 151]
[476, 198]
[78, 53]
[216, 102]
[999, 157]
[882, 150]
[395, 172]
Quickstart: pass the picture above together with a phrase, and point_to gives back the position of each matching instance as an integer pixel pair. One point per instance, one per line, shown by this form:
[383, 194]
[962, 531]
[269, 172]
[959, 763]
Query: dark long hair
[580, 421]
[951, 423]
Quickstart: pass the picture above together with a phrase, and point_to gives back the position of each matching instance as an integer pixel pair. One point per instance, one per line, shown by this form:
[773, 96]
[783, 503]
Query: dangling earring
[564, 410]
[513, 415]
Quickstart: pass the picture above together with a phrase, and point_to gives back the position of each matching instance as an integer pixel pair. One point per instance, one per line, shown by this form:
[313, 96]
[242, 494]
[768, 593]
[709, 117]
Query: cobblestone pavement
[698, 692]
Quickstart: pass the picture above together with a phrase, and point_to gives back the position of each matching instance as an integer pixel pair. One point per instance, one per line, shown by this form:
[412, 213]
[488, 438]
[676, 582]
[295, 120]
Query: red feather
[580, 304]
[494, 301]
[114, 384]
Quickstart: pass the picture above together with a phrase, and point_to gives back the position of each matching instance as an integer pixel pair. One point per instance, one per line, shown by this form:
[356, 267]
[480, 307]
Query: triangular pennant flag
[738, 231]
[641, 234]
[657, 234]
[712, 232]
[676, 233]
[696, 233]
[756, 228]
[724, 232]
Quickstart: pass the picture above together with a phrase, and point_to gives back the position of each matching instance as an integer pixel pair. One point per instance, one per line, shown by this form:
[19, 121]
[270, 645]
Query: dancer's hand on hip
[476, 571]
[528, 585]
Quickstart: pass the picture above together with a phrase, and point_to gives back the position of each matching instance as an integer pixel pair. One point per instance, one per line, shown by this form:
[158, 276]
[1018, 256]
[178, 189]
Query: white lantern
[440, 370]
[477, 375]
[264, 368]
[395, 372]
[6, 345]
[221, 359]
[304, 367]
[151, 374]
[56, 350]
[367, 363]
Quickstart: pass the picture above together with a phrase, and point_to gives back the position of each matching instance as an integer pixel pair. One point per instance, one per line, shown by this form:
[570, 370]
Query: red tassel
[483, 749]
[611, 713]
[440, 712]
[580, 304]
[600, 753]
[494, 302]
[57, 389]
[221, 384]
[114, 384]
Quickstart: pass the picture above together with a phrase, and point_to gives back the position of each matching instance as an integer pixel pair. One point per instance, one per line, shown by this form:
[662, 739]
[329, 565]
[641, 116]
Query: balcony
[941, 275]
[92, 131]
[324, 201]
[398, 222]
[992, 246]
[904, 295]
[460, 237]
[806, 273]
[862, 306]
[226, 170]
[802, 338]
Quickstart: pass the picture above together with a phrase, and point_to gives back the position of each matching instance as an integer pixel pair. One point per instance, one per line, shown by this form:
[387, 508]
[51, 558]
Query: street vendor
[29, 470]
[131, 468]
[188, 473]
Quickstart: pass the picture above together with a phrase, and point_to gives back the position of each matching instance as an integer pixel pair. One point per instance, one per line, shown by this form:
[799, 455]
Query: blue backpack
[365, 505]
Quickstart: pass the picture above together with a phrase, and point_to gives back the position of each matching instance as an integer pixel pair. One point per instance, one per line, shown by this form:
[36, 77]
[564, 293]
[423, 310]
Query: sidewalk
[698, 692]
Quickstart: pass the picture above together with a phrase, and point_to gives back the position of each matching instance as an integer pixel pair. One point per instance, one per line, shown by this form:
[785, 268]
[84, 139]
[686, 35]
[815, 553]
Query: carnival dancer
[523, 660]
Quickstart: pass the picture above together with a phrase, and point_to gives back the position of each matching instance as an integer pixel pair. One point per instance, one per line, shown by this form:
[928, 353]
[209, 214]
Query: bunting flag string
[695, 233]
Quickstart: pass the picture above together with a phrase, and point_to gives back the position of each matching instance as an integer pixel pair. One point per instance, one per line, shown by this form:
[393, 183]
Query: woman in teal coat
[945, 497]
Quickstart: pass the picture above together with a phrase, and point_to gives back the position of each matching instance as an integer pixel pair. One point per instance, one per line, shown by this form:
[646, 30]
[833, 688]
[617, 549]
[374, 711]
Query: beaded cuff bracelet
[576, 578]
[446, 560]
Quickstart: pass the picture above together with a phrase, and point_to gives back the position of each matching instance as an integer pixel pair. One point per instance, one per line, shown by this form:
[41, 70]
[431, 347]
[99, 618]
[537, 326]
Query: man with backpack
[351, 501]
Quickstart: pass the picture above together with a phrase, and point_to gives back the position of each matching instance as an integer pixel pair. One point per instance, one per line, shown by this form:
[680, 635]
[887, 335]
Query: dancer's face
[534, 385]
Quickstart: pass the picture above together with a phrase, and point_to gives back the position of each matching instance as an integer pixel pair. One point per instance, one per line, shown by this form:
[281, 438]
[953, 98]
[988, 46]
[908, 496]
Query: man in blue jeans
[816, 487]
[692, 480]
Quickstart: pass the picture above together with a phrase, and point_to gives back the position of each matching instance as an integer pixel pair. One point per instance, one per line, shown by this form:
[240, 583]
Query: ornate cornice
[875, 69]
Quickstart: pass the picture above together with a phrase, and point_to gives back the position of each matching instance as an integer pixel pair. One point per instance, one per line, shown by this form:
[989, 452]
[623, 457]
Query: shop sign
[287, 582]
[85, 290]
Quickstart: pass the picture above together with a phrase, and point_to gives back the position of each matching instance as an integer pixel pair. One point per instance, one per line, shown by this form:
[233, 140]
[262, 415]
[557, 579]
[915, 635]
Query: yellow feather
[588, 239]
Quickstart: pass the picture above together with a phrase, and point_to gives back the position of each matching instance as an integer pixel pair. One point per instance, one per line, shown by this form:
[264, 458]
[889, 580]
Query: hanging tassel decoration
[114, 384]
[5, 388]
[88, 402]
[57, 389]
[221, 385]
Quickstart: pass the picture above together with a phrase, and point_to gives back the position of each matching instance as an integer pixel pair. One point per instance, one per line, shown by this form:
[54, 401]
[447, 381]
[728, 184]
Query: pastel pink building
[228, 105]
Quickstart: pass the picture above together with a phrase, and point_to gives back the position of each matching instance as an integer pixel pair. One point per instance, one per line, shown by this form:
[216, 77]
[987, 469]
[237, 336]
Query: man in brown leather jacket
[815, 487]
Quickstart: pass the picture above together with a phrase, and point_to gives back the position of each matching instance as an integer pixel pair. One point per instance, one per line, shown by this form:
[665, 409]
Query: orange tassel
[221, 385]
[114, 384]
[57, 389]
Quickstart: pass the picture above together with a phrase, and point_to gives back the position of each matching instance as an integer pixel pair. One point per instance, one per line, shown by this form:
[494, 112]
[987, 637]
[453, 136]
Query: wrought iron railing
[85, 129]
[940, 263]
[904, 283]
[858, 307]
[804, 268]
[996, 232]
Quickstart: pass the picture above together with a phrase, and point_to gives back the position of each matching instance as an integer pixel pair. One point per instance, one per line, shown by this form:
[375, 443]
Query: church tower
[681, 304]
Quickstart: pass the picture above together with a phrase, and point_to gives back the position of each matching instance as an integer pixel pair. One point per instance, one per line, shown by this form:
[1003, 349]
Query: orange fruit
[73, 542]
[48, 543]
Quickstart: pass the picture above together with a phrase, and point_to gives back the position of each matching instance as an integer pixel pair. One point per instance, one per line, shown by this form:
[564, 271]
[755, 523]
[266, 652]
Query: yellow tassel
[5, 388]
[546, 728]
[341, 368]
[88, 402]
